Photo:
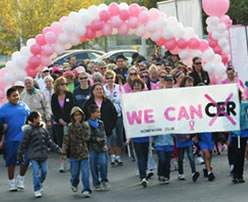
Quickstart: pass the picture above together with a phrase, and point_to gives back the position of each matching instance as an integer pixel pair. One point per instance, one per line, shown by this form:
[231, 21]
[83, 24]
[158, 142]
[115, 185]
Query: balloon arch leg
[103, 20]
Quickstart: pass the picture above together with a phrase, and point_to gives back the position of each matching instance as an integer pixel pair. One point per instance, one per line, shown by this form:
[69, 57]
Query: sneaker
[20, 182]
[119, 163]
[106, 186]
[86, 194]
[200, 160]
[144, 182]
[97, 188]
[211, 177]
[241, 180]
[195, 176]
[235, 181]
[112, 163]
[62, 168]
[12, 185]
[41, 188]
[181, 177]
[205, 172]
[74, 188]
[150, 173]
[37, 194]
[167, 181]
[163, 180]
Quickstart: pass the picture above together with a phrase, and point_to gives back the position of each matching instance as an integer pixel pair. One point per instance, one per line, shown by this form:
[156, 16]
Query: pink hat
[80, 69]
[55, 69]
[68, 74]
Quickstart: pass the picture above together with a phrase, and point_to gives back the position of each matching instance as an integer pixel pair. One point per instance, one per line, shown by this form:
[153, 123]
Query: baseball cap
[19, 83]
[55, 69]
[45, 69]
[68, 74]
[168, 77]
[165, 63]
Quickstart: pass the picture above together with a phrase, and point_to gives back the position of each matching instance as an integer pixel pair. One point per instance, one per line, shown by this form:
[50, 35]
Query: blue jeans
[39, 173]
[76, 167]
[98, 164]
[141, 150]
[116, 139]
[189, 151]
[164, 159]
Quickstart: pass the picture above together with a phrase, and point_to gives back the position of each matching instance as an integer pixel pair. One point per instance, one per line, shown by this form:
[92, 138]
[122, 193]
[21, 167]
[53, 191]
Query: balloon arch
[103, 20]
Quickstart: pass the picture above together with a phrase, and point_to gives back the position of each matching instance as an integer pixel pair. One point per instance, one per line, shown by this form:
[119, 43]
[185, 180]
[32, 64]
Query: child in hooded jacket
[75, 147]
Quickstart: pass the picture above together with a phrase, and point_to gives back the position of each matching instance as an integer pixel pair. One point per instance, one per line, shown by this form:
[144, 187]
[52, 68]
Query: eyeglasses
[144, 76]
[142, 70]
[63, 84]
[109, 78]
[83, 78]
[198, 63]
[103, 68]
[133, 74]
[46, 71]
[162, 76]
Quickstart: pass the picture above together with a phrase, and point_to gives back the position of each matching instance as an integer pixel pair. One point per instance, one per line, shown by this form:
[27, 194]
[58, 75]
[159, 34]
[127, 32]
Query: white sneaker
[37, 194]
[12, 185]
[62, 168]
[200, 160]
[86, 194]
[74, 188]
[20, 182]
[106, 186]
[144, 182]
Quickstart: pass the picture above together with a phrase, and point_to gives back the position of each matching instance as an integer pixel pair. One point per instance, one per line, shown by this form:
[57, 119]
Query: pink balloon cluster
[218, 27]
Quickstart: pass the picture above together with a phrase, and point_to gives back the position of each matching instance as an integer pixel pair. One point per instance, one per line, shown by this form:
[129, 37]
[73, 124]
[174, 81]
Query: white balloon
[178, 30]
[74, 40]
[213, 20]
[10, 65]
[8, 77]
[30, 42]
[68, 27]
[74, 17]
[140, 31]
[59, 49]
[123, 5]
[151, 27]
[21, 62]
[93, 11]
[102, 7]
[25, 51]
[184, 54]
[221, 28]
[209, 67]
[226, 49]
[188, 33]
[196, 53]
[216, 35]
[80, 31]
[156, 36]
[225, 34]
[162, 22]
[217, 59]
[63, 39]
[167, 33]
[67, 46]
[220, 70]
[208, 55]
[15, 55]
[211, 29]
[172, 20]
[20, 75]
[222, 42]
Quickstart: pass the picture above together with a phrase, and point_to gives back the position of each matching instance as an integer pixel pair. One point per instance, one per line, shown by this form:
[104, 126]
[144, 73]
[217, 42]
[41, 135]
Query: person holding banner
[141, 144]
[238, 143]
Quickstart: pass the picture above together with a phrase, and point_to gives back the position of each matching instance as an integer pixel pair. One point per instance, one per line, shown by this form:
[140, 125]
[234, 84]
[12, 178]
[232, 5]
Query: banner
[181, 110]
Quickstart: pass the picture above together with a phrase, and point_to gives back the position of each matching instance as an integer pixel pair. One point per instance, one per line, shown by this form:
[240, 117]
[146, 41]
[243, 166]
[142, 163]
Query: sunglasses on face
[109, 78]
[142, 70]
[133, 74]
[144, 76]
[83, 78]
[162, 76]
[198, 63]
[63, 84]
[46, 71]
[103, 68]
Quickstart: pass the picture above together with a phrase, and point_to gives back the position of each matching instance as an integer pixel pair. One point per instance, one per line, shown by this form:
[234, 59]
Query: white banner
[181, 110]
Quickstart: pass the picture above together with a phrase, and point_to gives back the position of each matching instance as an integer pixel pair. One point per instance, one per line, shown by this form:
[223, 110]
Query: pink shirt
[98, 103]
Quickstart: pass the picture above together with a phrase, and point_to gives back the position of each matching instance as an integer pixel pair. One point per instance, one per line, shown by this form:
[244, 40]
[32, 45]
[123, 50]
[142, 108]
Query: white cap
[45, 69]
[19, 83]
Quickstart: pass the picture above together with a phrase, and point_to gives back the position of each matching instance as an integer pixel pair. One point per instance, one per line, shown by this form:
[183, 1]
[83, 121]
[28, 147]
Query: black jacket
[36, 141]
[64, 113]
[108, 114]
[197, 79]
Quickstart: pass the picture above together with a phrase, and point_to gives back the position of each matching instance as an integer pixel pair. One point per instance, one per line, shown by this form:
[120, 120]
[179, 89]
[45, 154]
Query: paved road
[125, 187]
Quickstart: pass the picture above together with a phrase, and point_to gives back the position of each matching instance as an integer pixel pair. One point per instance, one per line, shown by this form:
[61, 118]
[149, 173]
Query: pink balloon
[133, 22]
[215, 7]
[104, 15]
[193, 43]
[90, 34]
[40, 39]
[170, 44]
[46, 29]
[35, 49]
[175, 51]
[96, 25]
[154, 14]
[57, 28]
[107, 29]
[99, 34]
[161, 42]
[203, 45]
[143, 17]
[182, 43]
[217, 50]
[45, 61]
[50, 37]
[113, 9]
[31, 71]
[134, 10]
[115, 21]
[213, 43]
[123, 29]
[47, 50]
[124, 14]
[143, 8]
[225, 59]
[34, 61]
[83, 39]
[225, 19]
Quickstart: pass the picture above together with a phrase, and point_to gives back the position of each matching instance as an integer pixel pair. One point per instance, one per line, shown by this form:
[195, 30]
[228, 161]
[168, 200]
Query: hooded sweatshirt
[75, 144]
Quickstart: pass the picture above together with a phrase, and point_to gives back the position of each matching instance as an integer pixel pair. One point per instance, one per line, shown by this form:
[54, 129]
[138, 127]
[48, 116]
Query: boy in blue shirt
[14, 115]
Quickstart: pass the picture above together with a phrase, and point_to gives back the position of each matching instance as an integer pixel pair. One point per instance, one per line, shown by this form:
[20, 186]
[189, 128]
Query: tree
[24, 19]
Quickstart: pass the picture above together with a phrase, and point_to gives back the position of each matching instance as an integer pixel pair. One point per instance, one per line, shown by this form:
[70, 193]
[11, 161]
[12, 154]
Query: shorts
[10, 153]
[206, 142]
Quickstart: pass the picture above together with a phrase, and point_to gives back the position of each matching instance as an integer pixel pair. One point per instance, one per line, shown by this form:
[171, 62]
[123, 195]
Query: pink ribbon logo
[220, 109]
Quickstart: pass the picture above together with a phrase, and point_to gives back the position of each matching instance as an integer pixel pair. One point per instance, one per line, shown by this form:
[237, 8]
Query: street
[125, 187]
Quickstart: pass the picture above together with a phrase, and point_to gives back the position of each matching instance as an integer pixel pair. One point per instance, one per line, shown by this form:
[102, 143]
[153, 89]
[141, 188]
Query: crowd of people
[75, 110]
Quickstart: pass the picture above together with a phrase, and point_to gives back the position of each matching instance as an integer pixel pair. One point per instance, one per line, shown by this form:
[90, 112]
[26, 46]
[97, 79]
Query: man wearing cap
[19, 86]
[36, 100]
[165, 65]
[121, 66]
[40, 81]
[169, 81]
